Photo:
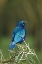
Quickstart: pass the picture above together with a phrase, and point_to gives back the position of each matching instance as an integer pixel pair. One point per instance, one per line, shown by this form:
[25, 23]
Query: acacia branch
[9, 60]
[23, 54]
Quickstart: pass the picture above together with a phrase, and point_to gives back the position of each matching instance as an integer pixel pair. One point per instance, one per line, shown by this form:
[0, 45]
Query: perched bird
[18, 35]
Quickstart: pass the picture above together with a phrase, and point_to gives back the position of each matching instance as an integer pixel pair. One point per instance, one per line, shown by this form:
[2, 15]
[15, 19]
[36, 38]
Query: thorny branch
[23, 54]
[9, 60]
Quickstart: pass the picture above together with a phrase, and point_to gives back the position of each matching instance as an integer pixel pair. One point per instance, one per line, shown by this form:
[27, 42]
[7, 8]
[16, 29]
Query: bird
[19, 34]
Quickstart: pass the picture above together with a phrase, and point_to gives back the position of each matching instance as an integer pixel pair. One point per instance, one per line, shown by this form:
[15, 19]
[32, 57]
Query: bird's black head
[22, 23]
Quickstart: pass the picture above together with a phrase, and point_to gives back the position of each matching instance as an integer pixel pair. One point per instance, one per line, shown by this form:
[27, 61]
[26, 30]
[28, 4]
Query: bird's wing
[13, 43]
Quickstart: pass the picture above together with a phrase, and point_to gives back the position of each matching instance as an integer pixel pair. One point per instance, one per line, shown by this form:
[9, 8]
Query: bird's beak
[25, 22]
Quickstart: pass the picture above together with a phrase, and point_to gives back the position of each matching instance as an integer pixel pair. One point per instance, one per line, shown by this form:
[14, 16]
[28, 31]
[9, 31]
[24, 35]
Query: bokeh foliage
[11, 11]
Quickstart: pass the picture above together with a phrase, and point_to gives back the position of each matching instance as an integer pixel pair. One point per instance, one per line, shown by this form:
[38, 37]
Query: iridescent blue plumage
[18, 35]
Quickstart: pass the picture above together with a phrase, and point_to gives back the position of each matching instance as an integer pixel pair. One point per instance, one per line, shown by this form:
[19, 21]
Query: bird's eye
[23, 22]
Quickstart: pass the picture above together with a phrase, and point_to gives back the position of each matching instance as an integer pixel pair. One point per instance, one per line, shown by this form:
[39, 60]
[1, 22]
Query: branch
[20, 53]
[9, 60]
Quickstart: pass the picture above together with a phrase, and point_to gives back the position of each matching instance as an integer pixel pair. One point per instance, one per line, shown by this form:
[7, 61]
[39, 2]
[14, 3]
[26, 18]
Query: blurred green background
[12, 11]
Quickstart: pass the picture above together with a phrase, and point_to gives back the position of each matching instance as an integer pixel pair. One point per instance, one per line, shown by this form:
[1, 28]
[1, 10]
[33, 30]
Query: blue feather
[12, 45]
[18, 35]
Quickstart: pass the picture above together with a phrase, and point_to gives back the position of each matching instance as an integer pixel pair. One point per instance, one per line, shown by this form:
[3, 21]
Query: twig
[9, 60]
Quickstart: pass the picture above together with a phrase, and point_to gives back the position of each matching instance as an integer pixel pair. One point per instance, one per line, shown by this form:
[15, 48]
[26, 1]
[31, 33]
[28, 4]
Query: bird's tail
[12, 45]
